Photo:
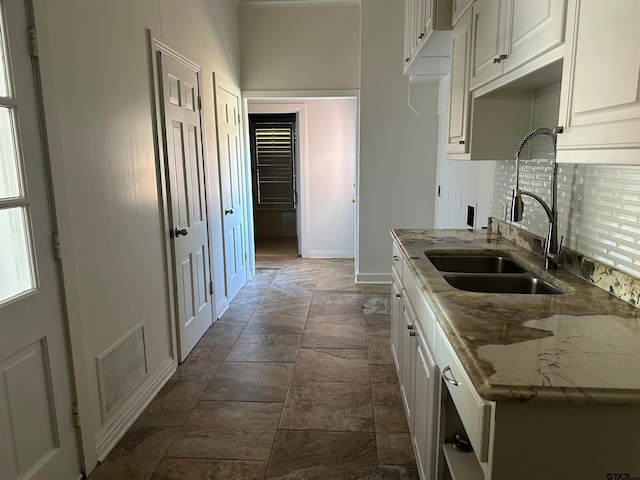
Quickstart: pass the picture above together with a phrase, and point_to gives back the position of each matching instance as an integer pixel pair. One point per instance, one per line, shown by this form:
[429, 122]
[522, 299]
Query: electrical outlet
[471, 215]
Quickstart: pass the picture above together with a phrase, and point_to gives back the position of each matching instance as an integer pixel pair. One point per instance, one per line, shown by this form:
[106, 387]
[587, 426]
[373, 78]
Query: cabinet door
[424, 409]
[600, 96]
[396, 317]
[406, 363]
[489, 20]
[459, 97]
[533, 28]
[458, 8]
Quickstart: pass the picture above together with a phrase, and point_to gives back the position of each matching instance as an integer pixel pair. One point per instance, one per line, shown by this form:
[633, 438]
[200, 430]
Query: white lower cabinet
[415, 364]
[566, 438]
[462, 413]
[424, 407]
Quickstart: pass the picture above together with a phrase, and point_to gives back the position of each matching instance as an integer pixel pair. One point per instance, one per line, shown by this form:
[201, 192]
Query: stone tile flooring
[295, 381]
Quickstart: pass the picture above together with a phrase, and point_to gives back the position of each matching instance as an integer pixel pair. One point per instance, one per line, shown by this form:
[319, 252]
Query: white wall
[330, 150]
[300, 47]
[397, 148]
[98, 100]
[462, 183]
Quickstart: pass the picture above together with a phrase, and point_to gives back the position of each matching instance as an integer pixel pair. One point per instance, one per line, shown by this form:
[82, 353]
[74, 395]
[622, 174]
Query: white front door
[37, 436]
[231, 179]
[187, 199]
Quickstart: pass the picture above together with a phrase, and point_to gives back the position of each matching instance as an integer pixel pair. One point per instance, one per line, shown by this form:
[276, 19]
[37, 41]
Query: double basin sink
[489, 273]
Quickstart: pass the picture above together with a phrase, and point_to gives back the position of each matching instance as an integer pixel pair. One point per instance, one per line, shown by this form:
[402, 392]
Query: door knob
[179, 232]
[227, 211]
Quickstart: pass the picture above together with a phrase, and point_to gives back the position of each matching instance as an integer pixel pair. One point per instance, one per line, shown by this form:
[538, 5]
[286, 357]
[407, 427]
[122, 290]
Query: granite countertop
[581, 347]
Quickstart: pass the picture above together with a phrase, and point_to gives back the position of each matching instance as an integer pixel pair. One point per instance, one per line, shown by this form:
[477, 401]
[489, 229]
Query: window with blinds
[273, 145]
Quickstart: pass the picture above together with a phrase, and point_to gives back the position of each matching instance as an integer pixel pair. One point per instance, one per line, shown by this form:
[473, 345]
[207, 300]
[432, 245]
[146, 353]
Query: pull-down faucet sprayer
[552, 248]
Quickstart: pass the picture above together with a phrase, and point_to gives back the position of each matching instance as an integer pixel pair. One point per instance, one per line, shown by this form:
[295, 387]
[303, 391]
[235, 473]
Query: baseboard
[130, 410]
[330, 254]
[373, 278]
[222, 306]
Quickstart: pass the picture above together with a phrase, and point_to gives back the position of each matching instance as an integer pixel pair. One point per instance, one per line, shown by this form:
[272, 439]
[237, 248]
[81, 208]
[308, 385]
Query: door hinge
[76, 415]
[199, 102]
[210, 287]
[33, 41]
[57, 248]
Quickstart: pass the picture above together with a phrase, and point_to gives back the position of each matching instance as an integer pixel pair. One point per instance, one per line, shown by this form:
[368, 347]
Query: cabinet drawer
[397, 259]
[474, 412]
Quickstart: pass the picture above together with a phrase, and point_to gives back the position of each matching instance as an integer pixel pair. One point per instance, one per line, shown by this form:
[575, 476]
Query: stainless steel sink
[525, 284]
[475, 264]
[489, 273]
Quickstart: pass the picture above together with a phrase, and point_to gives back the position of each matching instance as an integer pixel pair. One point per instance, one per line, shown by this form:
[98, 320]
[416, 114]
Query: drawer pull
[409, 327]
[396, 258]
[451, 380]
[412, 333]
[398, 295]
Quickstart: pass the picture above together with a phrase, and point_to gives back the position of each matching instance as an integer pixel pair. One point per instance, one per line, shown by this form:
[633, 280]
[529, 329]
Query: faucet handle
[517, 206]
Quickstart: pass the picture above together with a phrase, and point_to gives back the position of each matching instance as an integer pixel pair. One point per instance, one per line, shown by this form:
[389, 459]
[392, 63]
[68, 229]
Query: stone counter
[579, 347]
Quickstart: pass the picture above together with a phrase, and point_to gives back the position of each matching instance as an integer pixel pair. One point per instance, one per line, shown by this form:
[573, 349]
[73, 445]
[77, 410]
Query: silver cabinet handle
[179, 232]
[227, 211]
[451, 380]
[503, 57]
[396, 258]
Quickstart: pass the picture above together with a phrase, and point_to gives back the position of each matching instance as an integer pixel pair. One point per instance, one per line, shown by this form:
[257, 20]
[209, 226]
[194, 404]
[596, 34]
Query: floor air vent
[120, 369]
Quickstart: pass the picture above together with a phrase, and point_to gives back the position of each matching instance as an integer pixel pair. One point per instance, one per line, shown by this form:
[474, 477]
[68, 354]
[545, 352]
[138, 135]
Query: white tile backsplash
[598, 205]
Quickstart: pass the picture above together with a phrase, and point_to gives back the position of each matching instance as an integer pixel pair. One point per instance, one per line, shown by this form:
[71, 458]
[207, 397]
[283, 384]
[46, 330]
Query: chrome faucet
[551, 248]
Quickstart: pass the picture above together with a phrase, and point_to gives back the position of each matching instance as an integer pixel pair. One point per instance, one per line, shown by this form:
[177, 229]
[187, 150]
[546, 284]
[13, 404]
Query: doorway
[274, 167]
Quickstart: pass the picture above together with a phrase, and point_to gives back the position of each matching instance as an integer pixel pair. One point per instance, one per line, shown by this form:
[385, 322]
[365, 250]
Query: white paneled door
[187, 199]
[232, 180]
[37, 435]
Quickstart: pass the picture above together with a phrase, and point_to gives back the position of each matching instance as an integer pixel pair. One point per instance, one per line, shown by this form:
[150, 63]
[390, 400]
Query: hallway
[296, 381]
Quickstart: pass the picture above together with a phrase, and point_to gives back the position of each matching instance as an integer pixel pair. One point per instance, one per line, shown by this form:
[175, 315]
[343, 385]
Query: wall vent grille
[121, 368]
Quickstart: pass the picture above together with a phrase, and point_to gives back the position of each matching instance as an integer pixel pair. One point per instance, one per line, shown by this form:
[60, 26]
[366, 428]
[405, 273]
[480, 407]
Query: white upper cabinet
[510, 33]
[600, 96]
[459, 98]
[489, 19]
[427, 37]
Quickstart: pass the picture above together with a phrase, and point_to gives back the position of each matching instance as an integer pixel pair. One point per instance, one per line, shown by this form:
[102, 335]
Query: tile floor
[295, 381]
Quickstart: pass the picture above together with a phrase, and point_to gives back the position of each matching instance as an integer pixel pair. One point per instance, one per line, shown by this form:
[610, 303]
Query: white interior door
[231, 179]
[187, 199]
[37, 436]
